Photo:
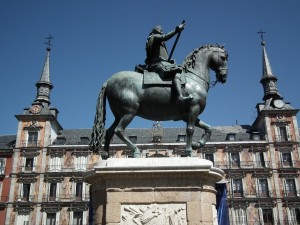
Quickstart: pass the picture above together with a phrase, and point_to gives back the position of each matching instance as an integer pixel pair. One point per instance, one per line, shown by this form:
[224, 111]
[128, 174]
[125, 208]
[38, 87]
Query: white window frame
[27, 137]
[2, 166]
[80, 162]
[21, 193]
[33, 166]
[292, 218]
[278, 134]
[57, 190]
[23, 218]
[56, 217]
[55, 163]
[239, 216]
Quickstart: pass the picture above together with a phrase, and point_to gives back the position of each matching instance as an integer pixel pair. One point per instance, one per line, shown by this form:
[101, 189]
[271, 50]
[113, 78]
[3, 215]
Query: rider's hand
[180, 27]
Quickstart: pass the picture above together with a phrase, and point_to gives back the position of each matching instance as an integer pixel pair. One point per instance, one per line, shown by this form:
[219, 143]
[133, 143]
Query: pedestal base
[154, 191]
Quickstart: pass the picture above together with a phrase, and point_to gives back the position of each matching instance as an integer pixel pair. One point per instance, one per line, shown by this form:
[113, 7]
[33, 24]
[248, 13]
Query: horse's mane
[191, 56]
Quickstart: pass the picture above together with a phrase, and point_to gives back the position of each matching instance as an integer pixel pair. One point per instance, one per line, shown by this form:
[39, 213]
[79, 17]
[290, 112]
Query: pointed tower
[38, 127]
[44, 86]
[268, 80]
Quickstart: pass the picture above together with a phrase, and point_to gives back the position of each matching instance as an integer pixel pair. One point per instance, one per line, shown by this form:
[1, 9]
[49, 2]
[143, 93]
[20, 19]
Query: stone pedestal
[154, 191]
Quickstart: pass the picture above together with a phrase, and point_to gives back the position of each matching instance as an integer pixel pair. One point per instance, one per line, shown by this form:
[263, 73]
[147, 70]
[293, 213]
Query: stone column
[160, 191]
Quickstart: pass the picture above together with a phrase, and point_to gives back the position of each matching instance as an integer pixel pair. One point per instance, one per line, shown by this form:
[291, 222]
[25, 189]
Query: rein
[210, 85]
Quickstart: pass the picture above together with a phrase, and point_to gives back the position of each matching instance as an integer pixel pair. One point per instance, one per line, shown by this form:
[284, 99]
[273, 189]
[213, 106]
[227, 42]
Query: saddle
[155, 79]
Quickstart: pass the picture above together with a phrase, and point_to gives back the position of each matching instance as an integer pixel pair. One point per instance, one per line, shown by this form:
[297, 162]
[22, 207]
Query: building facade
[43, 164]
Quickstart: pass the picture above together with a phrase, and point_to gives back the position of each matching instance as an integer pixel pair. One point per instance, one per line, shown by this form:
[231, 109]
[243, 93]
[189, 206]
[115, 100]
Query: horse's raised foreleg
[205, 137]
[119, 131]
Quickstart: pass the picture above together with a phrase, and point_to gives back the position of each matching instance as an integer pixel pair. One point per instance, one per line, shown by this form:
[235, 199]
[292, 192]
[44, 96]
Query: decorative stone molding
[154, 214]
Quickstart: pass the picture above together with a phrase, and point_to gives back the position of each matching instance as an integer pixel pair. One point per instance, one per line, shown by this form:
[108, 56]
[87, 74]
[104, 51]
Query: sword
[175, 43]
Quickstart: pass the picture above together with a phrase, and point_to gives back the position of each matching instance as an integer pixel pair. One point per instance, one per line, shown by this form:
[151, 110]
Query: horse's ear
[223, 46]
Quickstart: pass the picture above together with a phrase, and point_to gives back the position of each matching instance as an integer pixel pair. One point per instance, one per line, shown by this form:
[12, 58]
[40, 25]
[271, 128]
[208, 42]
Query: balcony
[264, 194]
[290, 194]
[66, 198]
[242, 165]
[284, 138]
[30, 144]
[27, 198]
[59, 168]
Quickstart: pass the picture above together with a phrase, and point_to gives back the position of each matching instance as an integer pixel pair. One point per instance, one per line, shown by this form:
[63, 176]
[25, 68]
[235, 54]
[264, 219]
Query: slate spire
[268, 80]
[44, 85]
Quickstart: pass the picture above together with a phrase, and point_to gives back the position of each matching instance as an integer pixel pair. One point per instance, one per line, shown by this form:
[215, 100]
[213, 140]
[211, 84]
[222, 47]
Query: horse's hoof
[104, 155]
[189, 153]
[137, 154]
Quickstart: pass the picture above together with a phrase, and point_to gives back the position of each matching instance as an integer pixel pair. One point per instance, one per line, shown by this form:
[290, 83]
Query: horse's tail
[99, 122]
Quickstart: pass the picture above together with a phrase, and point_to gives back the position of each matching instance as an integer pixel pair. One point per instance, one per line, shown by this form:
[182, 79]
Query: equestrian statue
[160, 90]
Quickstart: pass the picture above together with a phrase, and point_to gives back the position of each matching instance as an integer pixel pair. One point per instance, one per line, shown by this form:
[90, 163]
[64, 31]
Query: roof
[7, 141]
[144, 135]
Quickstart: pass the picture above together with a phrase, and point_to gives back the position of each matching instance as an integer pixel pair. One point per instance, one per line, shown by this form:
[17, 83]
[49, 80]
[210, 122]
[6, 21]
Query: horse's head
[218, 63]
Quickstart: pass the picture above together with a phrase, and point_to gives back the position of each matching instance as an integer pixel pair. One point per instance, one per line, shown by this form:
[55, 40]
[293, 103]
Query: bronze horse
[128, 97]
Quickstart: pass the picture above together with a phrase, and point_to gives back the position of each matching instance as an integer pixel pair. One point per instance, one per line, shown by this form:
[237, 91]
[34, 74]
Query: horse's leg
[192, 116]
[109, 134]
[119, 131]
[205, 137]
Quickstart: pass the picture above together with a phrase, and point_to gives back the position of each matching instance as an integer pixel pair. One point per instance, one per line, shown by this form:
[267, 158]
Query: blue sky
[95, 39]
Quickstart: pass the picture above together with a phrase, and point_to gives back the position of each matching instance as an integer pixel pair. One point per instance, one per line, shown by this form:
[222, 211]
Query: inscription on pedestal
[153, 214]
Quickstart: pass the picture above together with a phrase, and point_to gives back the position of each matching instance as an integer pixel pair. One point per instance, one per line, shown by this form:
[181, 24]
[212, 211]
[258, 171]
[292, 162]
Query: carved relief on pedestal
[153, 214]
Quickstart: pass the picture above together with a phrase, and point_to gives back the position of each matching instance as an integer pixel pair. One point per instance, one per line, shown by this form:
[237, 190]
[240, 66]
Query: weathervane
[262, 36]
[48, 43]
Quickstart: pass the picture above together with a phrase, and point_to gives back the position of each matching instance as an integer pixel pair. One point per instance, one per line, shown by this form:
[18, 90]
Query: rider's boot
[180, 98]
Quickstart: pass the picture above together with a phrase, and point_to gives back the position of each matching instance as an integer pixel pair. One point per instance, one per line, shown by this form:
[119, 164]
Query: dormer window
[181, 138]
[255, 136]
[231, 137]
[133, 139]
[84, 140]
[60, 140]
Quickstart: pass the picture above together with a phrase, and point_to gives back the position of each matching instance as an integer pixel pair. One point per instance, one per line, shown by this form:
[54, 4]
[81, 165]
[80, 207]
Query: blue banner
[222, 204]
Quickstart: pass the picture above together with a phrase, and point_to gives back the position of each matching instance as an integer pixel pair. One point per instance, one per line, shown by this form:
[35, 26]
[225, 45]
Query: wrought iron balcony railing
[66, 198]
[243, 165]
[30, 144]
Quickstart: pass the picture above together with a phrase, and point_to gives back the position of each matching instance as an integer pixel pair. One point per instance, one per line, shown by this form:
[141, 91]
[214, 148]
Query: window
[290, 187]
[295, 216]
[23, 218]
[263, 189]
[237, 187]
[255, 136]
[52, 191]
[80, 162]
[283, 136]
[60, 141]
[55, 163]
[78, 191]
[133, 139]
[84, 140]
[268, 216]
[25, 192]
[77, 218]
[51, 219]
[235, 159]
[181, 138]
[2, 166]
[29, 164]
[209, 156]
[32, 139]
[240, 217]
[230, 137]
[286, 159]
[260, 161]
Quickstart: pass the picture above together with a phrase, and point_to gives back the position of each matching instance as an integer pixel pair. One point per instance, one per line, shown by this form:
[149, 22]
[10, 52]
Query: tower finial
[48, 42]
[261, 32]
